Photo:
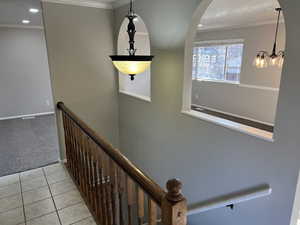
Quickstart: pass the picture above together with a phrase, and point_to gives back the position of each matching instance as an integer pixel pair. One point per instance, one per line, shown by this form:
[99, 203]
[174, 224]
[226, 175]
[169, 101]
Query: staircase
[114, 189]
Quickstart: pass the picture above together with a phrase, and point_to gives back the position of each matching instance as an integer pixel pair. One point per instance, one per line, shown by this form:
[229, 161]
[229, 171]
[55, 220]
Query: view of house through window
[218, 62]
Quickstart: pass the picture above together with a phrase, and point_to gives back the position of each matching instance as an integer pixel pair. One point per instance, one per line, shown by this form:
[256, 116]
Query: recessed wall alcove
[221, 83]
[141, 87]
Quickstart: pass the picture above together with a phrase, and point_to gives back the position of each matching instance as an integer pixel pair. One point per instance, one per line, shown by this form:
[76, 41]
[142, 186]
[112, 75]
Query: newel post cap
[174, 187]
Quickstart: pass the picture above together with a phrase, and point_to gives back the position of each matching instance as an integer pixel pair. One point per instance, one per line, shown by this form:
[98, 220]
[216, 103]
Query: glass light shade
[132, 67]
[263, 63]
[280, 62]
[274, 61]
[256, 62]
[132, 64]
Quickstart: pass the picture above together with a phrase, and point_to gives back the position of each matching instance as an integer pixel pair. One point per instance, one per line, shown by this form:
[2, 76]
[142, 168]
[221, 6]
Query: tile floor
[44, 196]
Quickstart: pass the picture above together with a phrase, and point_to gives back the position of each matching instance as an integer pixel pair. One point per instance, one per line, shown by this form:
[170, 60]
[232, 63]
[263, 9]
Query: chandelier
[131, 64]
[275, 58]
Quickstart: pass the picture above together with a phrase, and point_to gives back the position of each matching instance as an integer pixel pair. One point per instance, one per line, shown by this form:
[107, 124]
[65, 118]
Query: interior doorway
[27, 120]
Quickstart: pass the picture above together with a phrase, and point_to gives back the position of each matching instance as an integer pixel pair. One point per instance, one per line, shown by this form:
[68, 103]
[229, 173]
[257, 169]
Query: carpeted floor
[27, 144]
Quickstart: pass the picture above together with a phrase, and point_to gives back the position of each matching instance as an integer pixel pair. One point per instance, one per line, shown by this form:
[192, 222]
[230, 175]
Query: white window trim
[140, 97]
[218, 42]
[218, 81]
[255, 132]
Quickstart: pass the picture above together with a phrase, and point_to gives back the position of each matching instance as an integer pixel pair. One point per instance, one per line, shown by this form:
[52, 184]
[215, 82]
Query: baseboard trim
[17, 26]
[28, 116]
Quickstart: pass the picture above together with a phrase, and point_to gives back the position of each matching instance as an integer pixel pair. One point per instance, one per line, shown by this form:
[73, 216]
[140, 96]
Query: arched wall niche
[188, 80]
[141, 86]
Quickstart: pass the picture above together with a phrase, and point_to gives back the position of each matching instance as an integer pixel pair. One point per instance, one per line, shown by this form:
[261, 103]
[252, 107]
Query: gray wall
[250, 101]
[24, 73]
[253, 103]
[79, 41]
[209, 159]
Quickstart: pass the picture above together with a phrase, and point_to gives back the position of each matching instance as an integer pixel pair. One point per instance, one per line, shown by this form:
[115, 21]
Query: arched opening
[141, 86]
[221, 84]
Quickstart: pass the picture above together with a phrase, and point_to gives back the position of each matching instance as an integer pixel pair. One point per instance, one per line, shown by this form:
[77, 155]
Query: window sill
[140, 97]
[255, 132]
[218, 81]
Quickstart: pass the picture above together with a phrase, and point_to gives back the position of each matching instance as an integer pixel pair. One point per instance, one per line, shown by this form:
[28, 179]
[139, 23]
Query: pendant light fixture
[131, 64]
[276, 58]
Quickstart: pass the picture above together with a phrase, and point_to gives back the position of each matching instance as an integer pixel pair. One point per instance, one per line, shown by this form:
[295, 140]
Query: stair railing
[114, 189]
[231, 199]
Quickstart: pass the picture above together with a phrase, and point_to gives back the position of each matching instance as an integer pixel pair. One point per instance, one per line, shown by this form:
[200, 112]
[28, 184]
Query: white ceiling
[220, 14]
[239, 13]
[12, 12]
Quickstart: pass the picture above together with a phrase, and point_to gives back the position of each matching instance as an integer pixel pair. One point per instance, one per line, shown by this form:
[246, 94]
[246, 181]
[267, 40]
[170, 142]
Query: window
[219, 62]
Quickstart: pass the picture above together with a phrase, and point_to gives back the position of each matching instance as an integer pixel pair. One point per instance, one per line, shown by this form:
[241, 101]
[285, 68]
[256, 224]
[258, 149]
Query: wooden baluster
[152, 209]
[121, 189]
[66, 132]
[87, 170]
[81, 150]
[71, 159]
[91, 176]
[86, 166]
[76, 154]
[107, 188]
[68, 141]
[102, 189]
[113, 185]
[96, 182]
[130, 199]
[80, 161]
[141, 206]
[174, 205]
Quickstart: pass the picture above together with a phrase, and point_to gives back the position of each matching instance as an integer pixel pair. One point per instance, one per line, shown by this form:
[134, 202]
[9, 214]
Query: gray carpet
[27, 144]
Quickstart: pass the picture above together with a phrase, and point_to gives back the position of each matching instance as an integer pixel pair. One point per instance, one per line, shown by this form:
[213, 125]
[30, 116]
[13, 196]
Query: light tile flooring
[44, 196]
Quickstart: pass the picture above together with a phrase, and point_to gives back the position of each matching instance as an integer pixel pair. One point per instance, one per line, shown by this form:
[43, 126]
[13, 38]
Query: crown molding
[84, 3]
[19, 26]
[216, 28]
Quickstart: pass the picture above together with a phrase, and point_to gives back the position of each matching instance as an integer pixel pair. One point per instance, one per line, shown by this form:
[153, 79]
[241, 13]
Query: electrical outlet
[48, 102]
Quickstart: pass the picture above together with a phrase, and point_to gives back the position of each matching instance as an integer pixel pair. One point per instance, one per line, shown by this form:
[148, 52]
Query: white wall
[24, 73]
[256, 97]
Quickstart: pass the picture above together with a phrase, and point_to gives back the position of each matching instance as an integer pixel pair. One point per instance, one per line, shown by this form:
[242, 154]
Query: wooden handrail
[146, 183]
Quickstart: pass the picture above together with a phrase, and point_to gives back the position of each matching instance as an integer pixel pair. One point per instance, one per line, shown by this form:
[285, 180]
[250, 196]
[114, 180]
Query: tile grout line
[81, 220]
[23, 204]
[52, 197]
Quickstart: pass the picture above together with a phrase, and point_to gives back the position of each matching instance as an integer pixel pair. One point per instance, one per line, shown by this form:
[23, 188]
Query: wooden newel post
[174, 205]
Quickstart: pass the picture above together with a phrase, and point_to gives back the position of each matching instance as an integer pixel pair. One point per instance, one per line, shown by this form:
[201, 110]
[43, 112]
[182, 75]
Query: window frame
[221, 43]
